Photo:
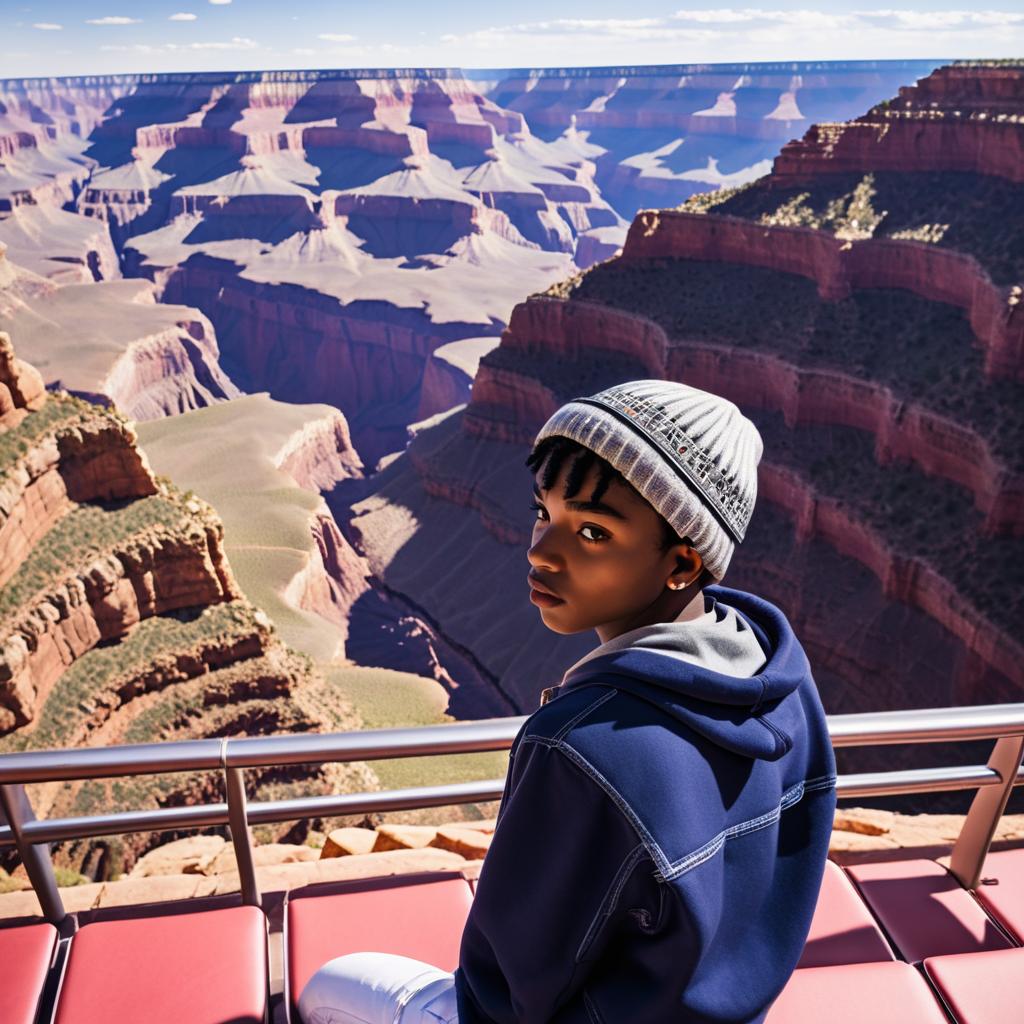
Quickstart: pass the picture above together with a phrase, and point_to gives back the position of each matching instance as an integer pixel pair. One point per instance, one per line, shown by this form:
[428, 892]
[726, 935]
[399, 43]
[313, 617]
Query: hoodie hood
[725, 675]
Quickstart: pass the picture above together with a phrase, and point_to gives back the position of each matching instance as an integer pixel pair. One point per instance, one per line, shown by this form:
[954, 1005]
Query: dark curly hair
[552, 453]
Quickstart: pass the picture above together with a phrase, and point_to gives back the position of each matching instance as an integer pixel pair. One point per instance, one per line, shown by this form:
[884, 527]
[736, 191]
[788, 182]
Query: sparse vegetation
[89, 531]
[976, 214]
[104, 677]
[59, 413]
[918, 515]
[925, 351]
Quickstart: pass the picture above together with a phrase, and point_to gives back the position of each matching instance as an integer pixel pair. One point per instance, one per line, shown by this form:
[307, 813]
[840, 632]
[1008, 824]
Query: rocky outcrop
[880, 434]
[148, 575]
[62, 246]
[963, 118]
[320, 454]
[839, 266]
[79, 456]
[166, 373]
[21, 387]
[120, 617]
[332, 580]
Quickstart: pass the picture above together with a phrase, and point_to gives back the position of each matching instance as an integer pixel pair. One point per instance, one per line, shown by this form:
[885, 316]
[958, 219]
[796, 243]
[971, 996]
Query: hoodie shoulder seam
[709, 849]
[577, 718]
[655, 852]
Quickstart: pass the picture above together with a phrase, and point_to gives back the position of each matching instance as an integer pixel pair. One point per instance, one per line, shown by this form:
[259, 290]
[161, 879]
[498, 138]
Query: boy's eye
[600, 534]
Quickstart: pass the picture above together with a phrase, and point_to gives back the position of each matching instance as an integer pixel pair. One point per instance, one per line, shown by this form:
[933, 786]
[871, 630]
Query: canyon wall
[120, 616]
[882, 366]
[338, 227]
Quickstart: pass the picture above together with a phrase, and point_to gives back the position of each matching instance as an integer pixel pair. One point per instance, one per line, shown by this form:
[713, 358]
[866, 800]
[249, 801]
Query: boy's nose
[543, 552]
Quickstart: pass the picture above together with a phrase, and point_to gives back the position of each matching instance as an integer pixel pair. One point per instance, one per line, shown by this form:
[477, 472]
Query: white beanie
[691, 454]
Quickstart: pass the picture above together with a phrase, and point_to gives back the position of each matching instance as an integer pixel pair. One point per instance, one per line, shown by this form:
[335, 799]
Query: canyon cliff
[337, 228]
[868, 320]
[120, 617]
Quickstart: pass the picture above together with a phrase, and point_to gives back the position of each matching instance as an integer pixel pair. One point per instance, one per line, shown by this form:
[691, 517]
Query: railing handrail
[992, 782]
[924, 725]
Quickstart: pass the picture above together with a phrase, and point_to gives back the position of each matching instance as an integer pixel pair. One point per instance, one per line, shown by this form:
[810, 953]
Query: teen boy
[663, 831]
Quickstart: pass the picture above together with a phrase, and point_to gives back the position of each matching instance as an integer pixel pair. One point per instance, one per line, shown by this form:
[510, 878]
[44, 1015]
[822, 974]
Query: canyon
[120, 617]
[336, 228]
[284, 340]
[883, 366]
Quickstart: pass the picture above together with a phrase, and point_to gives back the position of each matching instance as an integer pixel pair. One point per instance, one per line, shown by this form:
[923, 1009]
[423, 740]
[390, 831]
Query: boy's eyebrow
[587, 506]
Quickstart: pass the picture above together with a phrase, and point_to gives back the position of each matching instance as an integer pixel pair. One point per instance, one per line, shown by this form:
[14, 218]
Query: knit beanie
[691, 454]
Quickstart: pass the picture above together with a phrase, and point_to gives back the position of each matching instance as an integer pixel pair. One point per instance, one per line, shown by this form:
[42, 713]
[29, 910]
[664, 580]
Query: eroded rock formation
[337, 228]
[120, 617]
[882, 364]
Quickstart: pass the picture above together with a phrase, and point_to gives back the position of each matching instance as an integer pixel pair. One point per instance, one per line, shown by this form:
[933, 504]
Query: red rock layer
[94, 460]
[509, 405]
[956, 119]
[89, 455]
[21, 386]
[839, 266]
[100, 602]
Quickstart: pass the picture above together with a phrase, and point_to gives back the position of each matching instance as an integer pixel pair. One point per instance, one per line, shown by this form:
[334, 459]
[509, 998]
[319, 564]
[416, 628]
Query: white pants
[378, 988]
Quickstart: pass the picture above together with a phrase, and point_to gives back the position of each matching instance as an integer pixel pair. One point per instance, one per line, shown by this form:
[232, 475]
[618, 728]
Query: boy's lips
[540, 593]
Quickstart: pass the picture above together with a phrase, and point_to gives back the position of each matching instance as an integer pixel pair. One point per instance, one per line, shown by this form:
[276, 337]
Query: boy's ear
[688, 561]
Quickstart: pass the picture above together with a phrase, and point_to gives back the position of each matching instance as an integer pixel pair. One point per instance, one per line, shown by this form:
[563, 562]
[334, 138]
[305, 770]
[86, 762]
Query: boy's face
[605, 562]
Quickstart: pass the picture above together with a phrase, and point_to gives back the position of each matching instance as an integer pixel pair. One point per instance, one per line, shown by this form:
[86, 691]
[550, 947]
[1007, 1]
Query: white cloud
[568, 32]
[940, 20]
[336, 37]
[890, 18]
[804, 19]
[236, 43]
[112, 19]
[47, 26]
[219, 3]
[303, 51]
[181, 16]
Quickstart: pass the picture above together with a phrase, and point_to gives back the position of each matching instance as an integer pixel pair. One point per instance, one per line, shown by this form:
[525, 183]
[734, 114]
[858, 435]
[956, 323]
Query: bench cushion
[26, 954]
[205, 968]
[925, 910]
[981, 988]
[423, 920]
[880, 993]
[843, 930]
[1001, 890]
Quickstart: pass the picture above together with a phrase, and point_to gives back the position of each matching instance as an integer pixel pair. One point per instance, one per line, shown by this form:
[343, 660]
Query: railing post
[987, 807]
[36, 858]
[238, 823]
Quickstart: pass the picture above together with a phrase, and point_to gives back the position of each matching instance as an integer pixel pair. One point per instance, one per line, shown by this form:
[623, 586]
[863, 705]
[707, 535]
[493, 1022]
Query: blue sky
[72, 37]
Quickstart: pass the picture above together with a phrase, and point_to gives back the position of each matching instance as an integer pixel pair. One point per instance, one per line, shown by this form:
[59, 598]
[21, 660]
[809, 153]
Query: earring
[676, 586]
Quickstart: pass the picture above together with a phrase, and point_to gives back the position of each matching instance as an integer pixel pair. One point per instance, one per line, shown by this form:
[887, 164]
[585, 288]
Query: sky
[78, 37]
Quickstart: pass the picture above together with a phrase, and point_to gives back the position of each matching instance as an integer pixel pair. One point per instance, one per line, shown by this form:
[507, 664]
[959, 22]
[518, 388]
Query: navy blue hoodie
[660, 841]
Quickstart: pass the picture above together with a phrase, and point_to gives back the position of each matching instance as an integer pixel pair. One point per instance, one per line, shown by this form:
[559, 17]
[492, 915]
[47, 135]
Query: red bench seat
[843, 930]
[980, 988]
[26, 953]
[208, 967]
[925, 910]
[423, 919]
[1001, 891]
[880, 993]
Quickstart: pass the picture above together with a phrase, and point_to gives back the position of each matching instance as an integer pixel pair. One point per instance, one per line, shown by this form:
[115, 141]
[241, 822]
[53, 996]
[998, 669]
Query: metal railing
[993, 781]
